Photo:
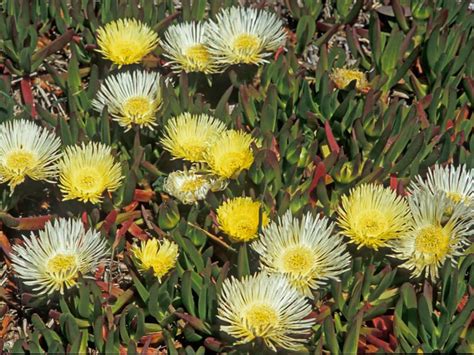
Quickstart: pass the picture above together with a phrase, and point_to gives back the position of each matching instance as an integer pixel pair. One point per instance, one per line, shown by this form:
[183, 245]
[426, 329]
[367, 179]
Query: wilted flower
[27, 150]
[160, 257]
[456, 182]
[87, 171]
[188, 136]
[245, 35]
[185, 45]
[304, 251]
[342, 77]
[372, 215]
[229, 154]
[131, 98]
[52, 262]
[267, 307]
[434, 236]
[239, 218]
[126, 41]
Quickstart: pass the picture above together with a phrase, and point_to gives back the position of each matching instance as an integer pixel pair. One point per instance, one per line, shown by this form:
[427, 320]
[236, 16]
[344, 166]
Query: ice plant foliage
[126, 41]
[159, 256]
[342, 77]
[185, 45]
[244, 35]
[372, 215]
[87, 171]
[456, 182]
[52, 262]
[264, 306]
[230, 154]
[188, 136]
[305, 251]
[132, 98]
[27, 150]
[239, 218]
[435, 235]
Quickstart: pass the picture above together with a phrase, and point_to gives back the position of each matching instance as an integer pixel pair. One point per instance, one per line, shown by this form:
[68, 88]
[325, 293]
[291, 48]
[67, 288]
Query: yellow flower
[160, 257]
[244, 35]
[27, 150]
[53, 261]
[434, 235]
[132, 98]
[342, 77]
[185, 45]
[188, 136]
[239, 218]
[126, 41]
[267, 307]
[304, 251]
[228, 155]
[87, 171]
[373, 215]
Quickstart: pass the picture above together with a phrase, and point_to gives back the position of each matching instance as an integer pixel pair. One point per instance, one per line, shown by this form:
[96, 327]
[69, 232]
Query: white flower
[305, 251]
[185, 45]
[52, 261]
[132, 98]
[244, 35]
[188, 186]
[27, 150]
[456, 182]
[264, 306]
[439, 231]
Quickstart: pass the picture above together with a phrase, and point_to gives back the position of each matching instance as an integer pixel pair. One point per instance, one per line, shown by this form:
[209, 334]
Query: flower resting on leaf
[27, 150]
[188, 136]
[52, 262]
[230, 154]
[373, 215]
[132, 98]
[239, 218]
[185, 45]
[87, 171]
[126, 41]
[244, 35]
[305, 251]
[434, 236]
[342, 77]
[160, 257]
[267, 307]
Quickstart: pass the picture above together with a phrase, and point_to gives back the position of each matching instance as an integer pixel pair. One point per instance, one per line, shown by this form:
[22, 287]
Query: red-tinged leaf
[131, 207]
[319, 173]
[27, 95]
[331, 140]
[379, 343]
[110, 220]
[143, 195]
[99, 273]
[152, 338]
[32, 223]
[462, 303]
[54, 46]
[137, 232]
[393, 341]
[213, 344]
[85, 221]
[121, 232]
[278, 52]
[107, 287]
[393, 182]
[5, 244]
[422, 115]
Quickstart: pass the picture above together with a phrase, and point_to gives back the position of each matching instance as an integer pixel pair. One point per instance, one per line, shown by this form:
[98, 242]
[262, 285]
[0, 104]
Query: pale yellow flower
[160, 257]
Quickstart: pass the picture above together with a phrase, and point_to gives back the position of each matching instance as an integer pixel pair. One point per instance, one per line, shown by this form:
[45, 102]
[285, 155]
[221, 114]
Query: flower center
[232, 163]
[455, 197]
[372, 222]
[191, 185]
[137, 108]
[61, 263]
[20, 160]
[198, 53]
[162, 265]
[260, 317]
[124, 50]
[432, 240]
[297, 260]
[247, 43]
[88, 181]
